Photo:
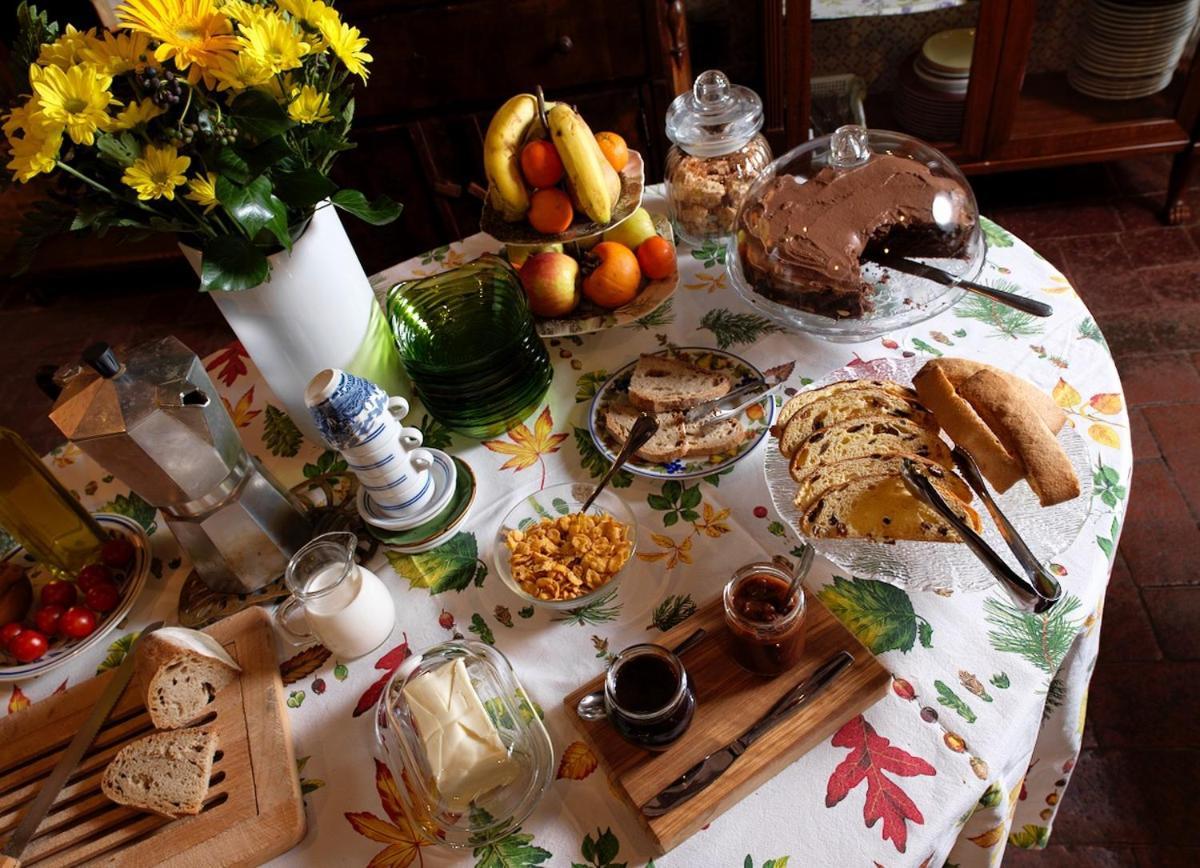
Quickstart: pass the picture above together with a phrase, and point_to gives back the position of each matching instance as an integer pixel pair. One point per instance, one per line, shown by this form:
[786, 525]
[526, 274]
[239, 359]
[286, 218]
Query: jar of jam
[647, 697]
[765, 618]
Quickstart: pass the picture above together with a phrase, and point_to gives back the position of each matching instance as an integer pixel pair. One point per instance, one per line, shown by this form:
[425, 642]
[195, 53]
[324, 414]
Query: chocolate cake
[802, 241]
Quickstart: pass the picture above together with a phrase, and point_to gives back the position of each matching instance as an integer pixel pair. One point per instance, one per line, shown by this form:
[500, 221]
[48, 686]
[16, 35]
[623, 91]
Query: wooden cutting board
[253, 811]
[728, 701]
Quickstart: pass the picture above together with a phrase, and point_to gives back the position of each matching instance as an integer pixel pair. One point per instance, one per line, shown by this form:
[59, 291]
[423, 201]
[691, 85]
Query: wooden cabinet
[1020, 110]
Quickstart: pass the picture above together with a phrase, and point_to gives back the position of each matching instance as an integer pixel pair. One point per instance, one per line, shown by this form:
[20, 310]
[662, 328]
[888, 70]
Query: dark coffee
[646, 705]
[646, 684]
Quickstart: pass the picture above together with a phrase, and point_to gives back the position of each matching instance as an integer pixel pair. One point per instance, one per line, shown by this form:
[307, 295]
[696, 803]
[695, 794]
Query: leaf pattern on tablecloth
[950, 699]
[480, 628]
[710, 253]
[17, 700]
[434, 435]
[389, 663]
[777, 862]
[117, 649]
[673, 610]
[1004, 321]
[403, 843]
[599, 611]
[514, 850]
[451, 566]
[588, 384]
[1030, 837]
[871, 757]
[229, 363]
[600, 851]
[242, 413]
[132, 506]
[303, 664]
[528, 448]
[1042, 640]
[880, 615]
[1104, 403]
[594, 462]
[280, 433]
[577, 762]
[730, 328]
[673, 553]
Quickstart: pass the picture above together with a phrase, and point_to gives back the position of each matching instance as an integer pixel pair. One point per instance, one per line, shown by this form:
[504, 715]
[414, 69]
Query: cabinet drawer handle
[565, 45]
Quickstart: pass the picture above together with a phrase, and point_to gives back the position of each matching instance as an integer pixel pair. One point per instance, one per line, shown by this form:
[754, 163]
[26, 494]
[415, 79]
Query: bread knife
[945, 278]
[10, 856]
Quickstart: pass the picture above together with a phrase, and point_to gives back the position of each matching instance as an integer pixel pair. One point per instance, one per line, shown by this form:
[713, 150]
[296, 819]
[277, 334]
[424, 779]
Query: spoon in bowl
[644, 427]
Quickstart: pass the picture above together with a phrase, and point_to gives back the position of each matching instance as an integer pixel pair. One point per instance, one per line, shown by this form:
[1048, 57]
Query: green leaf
[560, 506]
[950, 699]
[233, 165]
[996, 237]
[255, 207]
[231, 263]
[525, 612]
[1106, 546]
[598, 611]
[591, 459]
[452, 566]
[1030, 837]
[280, 433]
[119, 150]
[879, 614]
[731, 328]
[777, 529]
[34, 29]
[659, 502]
[925, 634]
[672, 489]
[515, 850]
[303, 187]
[926, 348]
[132, 506]
[378, 213]
[589, 384]
[1042, 640]
[273, 154]
[991, 797]
[1107, 475]
[256, 113]
[691, 497]
[670, 519]
[675, 609]
[479, 627]
[295, 699]
[116, 652]
[689, 515]
[1000, 680]
[434, 434]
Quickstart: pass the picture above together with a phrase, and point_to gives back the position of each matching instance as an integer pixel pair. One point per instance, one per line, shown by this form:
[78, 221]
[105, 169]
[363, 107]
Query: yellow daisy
[240, 10]
[309, 14]
[273, 43]
[134, 114]
[77, 99]
[281, 87]
[23, 117]
[69, 49]
[34, 154]
[121, 52]
[238, 72]
[157, 173]
[192, 32]
[348, 44]
[309, 106]
[203, 190]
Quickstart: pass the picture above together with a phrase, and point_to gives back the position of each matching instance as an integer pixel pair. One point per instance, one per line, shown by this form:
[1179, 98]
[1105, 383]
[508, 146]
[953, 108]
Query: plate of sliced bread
[668, 385]
[833, 468]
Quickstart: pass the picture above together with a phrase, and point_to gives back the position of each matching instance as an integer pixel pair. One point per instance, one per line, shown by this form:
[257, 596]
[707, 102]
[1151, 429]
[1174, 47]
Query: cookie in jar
[717, 153]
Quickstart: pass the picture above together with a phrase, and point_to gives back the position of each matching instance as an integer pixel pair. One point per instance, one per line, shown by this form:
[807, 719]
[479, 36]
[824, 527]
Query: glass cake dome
[856, 234]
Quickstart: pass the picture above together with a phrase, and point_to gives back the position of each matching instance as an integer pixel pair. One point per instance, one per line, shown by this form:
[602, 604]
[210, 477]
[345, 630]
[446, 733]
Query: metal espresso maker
[155, 420]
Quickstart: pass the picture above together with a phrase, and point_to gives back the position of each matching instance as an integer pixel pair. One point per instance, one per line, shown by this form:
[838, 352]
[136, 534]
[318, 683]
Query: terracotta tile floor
[1130, 800]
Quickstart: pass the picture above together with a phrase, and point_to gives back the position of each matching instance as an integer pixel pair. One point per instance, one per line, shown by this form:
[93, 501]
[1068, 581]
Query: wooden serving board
[728, 701]
[253, 811]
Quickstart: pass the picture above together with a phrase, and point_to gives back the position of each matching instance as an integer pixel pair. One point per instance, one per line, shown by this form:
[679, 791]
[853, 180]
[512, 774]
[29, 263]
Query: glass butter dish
[464, 742]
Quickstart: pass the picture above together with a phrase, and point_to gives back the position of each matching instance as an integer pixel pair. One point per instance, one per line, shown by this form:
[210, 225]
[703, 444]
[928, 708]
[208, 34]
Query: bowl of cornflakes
[551, 553]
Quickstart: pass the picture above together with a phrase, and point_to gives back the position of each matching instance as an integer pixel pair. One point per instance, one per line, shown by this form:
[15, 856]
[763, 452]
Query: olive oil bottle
[42, 515]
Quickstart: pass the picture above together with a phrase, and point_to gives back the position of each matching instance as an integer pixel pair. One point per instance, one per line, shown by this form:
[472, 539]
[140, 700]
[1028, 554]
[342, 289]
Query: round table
[970, 750]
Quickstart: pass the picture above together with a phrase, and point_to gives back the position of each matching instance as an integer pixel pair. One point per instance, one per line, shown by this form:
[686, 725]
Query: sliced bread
[868, 436]
[802, 399]
[958, 370]
[179, 671]
[661, 383]
[674, 439]
[881, 508]
[716, 439]
[851, 404]
[1006, 412]
[999, 466]
[835, 473]
[164, 772]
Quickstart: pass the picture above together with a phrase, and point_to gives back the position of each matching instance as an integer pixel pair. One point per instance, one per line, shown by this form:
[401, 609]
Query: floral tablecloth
[972, 748]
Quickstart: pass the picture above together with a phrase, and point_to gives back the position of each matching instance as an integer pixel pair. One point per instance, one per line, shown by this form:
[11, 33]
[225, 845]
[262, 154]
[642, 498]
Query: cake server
[10, 856]
[928, 272]
[702, 774]
[1023, 593]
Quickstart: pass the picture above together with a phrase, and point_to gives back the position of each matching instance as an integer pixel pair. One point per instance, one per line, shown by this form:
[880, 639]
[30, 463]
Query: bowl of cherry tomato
[68, 615]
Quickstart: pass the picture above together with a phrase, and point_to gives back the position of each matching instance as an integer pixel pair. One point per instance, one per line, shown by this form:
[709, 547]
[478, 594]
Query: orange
[656, 256]
[550, 211]
[614, 149]
[615, 276]
[540, 164]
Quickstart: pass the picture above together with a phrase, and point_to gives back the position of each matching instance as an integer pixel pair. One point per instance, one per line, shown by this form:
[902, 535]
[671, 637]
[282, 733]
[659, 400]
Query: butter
[462, 745]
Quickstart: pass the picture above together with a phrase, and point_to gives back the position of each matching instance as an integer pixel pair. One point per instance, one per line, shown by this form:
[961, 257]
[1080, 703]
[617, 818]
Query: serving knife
[10, 856]
[929, 272]
[732, 402]
[700, 776]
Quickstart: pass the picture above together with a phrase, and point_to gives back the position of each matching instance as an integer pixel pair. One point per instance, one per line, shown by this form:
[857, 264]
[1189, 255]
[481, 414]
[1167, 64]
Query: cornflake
[567, 557]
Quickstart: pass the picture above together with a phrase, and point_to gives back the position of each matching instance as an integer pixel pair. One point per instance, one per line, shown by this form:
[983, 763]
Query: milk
[353, 615]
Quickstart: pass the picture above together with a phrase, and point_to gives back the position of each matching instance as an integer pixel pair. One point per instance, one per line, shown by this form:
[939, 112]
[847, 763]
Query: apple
[518, 253]
[550, 281]
[633, 230]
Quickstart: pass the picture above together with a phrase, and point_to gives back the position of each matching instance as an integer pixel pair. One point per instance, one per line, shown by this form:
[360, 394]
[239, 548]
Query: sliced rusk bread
[835, 473]
[882, 509]
[868, 436]
[674, 439]
[850, 404]
[958, 371]
[164, 772]
[661, 383]
[801, 400]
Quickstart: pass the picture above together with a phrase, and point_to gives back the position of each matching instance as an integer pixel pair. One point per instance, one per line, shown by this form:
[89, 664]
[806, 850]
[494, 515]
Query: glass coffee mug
[345, 606]
[647, 697]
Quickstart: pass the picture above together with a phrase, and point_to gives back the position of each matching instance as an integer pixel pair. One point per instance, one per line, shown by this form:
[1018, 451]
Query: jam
[649, 699]
[765, 619]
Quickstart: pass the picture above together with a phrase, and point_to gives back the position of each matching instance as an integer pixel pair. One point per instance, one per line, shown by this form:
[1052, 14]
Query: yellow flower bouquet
[217, 120]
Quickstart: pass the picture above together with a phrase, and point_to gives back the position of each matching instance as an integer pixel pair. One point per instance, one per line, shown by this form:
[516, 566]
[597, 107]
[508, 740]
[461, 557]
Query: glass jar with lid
[717, 152]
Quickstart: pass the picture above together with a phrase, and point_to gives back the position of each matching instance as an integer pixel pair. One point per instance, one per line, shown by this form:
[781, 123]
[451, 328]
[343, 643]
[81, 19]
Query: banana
[595, 189]
[502, 155]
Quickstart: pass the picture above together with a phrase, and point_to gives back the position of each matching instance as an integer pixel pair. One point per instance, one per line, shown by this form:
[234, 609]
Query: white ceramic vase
[316, 311]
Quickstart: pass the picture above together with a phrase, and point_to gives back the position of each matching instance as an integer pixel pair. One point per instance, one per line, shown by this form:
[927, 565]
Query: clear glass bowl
[551, 502]
[807, 257]
[517, 720]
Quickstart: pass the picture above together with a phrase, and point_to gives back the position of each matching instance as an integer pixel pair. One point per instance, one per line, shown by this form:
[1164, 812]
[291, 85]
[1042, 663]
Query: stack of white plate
[1130, 48]
[932, 90]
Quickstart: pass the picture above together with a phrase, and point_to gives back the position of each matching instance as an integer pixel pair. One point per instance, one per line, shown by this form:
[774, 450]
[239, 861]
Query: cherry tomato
[29, 646]
[77, 622]
[9, 632]
[116, 552]
[102, 596]
[58, 593]
[46, 618]
[91, 574]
